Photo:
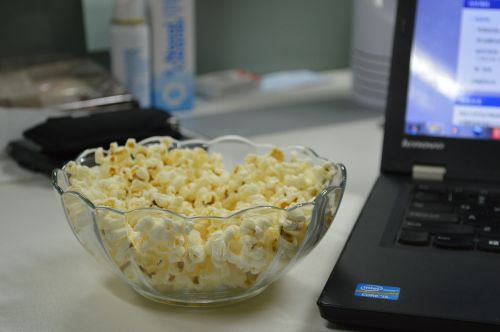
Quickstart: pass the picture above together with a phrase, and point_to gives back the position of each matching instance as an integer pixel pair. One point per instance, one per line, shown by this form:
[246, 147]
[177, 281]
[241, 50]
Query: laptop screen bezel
[462, 158]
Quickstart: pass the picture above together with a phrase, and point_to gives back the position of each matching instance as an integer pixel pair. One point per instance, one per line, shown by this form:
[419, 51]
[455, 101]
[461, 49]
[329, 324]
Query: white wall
[97, 20]
[259, 35]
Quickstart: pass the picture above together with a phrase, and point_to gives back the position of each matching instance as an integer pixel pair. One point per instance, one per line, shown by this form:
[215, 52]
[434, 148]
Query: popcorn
[168, 247]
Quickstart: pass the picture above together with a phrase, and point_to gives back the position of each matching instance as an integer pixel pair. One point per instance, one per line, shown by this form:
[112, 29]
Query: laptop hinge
[429, 173]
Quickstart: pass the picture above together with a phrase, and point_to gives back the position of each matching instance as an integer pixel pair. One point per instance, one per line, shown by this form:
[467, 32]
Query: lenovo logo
[422, 145]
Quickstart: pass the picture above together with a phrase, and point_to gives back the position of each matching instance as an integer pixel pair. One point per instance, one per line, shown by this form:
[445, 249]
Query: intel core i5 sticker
[377, 292]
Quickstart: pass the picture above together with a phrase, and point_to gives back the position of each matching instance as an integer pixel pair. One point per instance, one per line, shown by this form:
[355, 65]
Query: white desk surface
[49, 283]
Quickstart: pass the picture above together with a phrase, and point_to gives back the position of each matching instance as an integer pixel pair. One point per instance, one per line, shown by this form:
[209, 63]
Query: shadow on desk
[267, 305]
[10, 172]
[261, 302]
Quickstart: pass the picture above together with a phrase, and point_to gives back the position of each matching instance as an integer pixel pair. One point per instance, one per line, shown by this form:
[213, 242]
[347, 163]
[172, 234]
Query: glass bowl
[249, 250]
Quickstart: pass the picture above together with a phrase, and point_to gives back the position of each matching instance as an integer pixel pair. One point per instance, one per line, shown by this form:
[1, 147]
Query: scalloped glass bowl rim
[198, 142]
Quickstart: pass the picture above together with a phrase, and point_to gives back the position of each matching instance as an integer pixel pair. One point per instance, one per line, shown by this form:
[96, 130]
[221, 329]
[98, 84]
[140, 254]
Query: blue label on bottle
[377, 291]
[174, 91]
[137, 78]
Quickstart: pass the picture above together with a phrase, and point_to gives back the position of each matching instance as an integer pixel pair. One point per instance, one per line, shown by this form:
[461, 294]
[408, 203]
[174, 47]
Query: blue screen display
[454, 84]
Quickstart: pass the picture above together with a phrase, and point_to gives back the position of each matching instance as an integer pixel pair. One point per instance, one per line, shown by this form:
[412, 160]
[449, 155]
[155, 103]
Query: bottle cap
[128, 10]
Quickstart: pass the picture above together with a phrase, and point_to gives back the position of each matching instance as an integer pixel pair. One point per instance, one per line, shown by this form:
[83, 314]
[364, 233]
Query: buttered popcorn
[186, 244]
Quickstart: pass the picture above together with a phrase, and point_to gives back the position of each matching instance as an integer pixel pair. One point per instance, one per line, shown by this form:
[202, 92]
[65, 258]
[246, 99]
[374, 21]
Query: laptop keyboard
[452, 218]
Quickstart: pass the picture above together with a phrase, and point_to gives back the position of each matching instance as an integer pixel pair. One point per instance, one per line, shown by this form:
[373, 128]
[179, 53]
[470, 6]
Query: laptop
[425, 251]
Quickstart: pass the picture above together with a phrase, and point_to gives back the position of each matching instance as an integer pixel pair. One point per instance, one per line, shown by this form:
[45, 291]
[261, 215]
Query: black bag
[51, 144]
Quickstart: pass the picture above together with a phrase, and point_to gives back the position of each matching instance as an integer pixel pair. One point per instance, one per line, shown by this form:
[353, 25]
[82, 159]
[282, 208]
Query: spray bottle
[130, 49]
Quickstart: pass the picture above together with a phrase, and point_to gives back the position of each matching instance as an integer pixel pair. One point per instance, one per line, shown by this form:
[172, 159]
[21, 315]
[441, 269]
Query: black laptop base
[412, 277]
[400, 322]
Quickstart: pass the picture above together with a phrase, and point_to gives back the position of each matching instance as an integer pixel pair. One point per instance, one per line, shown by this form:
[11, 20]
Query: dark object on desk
[54, 142]
[424, 252]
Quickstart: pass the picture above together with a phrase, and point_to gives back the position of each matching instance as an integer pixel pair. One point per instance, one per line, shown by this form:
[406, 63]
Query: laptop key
[430, 189]
[440, 217]
[493, 198]
[417, 238]
[481, 200]
[441, 228]
[453, 241]
[495, 209]
[488, 231]
[423, 196]
[463, 196]
[431, 207]
[478, 219]
[489, 244]
[425, 187]
[464, 208]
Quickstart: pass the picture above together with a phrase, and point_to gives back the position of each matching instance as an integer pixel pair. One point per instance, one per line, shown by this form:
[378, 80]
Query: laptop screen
[454, 83]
